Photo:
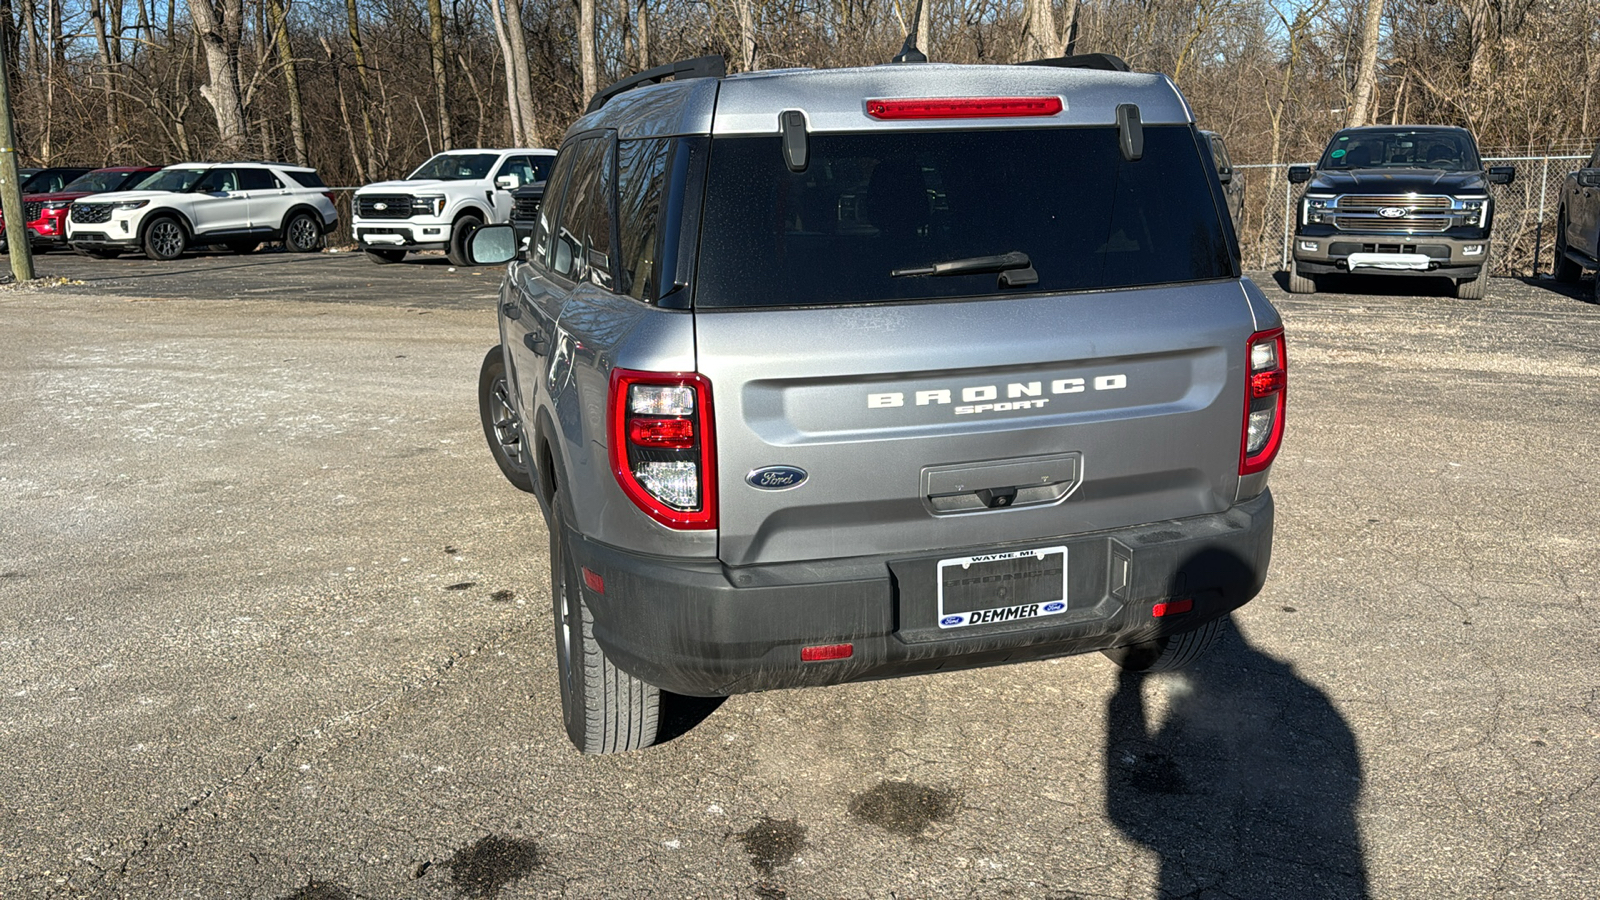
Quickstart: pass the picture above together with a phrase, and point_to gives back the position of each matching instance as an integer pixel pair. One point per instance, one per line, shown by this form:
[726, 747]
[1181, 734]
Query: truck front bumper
[1432, 255]
[704, 629]
[401, 234]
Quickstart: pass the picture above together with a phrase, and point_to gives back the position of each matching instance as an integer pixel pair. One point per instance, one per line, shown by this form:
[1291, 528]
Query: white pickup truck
[438, 206]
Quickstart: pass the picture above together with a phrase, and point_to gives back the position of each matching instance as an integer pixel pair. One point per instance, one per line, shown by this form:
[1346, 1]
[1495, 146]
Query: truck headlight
[1474, 211]
[428, 206]
[1316, 210]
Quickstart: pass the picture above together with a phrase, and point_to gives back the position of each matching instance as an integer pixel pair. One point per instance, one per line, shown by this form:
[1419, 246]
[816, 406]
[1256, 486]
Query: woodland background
[367, 89]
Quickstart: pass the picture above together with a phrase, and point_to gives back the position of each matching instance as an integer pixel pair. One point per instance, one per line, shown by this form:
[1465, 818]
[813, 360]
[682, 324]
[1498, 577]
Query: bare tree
[220, 29]
[441, 82]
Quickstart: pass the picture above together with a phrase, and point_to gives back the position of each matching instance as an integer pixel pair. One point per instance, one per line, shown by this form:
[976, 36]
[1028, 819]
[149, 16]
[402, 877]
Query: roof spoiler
[699, 67]
[1105, 62]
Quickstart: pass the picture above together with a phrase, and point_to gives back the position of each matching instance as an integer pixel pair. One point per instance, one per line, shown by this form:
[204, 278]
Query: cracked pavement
[272, 626]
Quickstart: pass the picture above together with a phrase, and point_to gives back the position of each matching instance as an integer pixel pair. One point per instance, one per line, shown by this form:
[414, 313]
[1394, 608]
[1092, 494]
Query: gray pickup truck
[1386, 200]
[1578, 225]
[833, 375]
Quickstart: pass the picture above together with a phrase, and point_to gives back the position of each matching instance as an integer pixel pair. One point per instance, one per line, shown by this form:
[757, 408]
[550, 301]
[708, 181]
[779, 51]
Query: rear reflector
[1172, 607]
[594, 581]
[827, 652]
[964, 108]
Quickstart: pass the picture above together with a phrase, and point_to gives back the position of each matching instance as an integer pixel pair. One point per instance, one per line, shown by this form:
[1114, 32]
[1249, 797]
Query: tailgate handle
[1000, 484]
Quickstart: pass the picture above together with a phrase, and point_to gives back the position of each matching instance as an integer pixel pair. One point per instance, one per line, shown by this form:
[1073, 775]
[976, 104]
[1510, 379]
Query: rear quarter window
[871, 203]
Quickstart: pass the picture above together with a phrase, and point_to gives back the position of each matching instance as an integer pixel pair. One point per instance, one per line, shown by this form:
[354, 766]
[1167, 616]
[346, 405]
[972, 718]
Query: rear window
[872, 203]
[305, 177]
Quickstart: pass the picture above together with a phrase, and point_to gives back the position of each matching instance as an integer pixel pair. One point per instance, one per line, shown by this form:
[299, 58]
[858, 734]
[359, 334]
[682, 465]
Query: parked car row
[162, 212]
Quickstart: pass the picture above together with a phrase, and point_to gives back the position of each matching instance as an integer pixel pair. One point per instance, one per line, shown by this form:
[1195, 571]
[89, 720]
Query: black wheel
[385, 256]
[243, 248]
[97, 253]
[1300, 284]
[1173, 652]
[1565, 270]
[605, 709]
[165, 239]
[502, 428]
[460, 234]
[1474, 288]
[302, 234]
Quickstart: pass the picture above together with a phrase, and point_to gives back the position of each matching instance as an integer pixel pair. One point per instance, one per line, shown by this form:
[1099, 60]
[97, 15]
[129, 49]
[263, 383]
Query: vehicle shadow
[1242, 777]
[1386, 285]
[1582, 290]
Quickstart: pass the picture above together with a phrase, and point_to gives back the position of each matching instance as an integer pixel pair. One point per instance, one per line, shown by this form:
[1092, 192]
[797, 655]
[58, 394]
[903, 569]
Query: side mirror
[492, 244]
[1589, 178]
[1225, 175]
[1299, 174]
[508, 182]
[1502, 174]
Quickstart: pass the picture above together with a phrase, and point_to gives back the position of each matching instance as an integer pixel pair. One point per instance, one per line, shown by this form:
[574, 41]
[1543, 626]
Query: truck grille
[384, 206]
[526, 208]
[1374, 202]
[91, 213]
[31, 210]
[1381, 225]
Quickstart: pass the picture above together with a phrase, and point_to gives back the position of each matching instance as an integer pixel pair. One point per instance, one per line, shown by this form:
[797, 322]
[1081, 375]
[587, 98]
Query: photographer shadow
[1247, 785]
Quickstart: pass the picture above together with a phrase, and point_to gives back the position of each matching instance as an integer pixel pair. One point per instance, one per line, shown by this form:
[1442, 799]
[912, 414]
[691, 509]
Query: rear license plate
[1002, 587]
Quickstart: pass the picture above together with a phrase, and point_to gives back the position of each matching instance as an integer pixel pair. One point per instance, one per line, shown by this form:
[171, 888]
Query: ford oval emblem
[776, 478]
[1054, 606]
[1392, 212]
[949, 621]
[380, 206]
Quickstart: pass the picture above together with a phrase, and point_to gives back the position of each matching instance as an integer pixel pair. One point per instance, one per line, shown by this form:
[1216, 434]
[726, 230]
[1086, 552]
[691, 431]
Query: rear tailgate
[923, 426]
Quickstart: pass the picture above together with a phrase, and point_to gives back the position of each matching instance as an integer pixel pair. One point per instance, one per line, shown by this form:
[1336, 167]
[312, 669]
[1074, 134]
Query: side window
[586, 215]
[258, 180]
[541, 167]
[216, 180]
[641, 180]
[1220, 149]
[518, 166]
[555, 192]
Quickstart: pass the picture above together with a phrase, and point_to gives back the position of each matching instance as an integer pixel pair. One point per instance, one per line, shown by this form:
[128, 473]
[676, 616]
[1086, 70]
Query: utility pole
[10, 185]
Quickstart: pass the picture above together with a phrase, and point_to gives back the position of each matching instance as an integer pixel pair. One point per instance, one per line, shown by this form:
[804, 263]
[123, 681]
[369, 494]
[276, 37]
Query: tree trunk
[1069, 28]
[291, 80]
[524, 77]
[508, 56]
[1039, 39]
[108, 72]
[643, 21]
[344, 114]
[441, 84]
[586, 63]
[1361, 111]
[745, 9]
[365, 95]
[925, 29]
[219, 36]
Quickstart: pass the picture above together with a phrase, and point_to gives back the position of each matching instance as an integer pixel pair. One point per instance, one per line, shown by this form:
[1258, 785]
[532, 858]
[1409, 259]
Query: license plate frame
[1020, 591]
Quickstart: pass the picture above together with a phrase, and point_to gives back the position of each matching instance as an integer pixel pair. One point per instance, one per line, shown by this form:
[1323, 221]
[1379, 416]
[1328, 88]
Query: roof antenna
[909, 52]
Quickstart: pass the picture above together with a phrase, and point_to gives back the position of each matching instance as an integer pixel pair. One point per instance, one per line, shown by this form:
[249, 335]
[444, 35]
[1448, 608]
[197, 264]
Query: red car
[47, 213]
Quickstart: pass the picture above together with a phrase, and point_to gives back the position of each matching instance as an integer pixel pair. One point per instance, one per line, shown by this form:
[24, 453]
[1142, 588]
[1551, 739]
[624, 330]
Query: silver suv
[824, 376]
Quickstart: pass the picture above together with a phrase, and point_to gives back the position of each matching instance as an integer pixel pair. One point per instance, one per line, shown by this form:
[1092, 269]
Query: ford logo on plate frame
[776, 478]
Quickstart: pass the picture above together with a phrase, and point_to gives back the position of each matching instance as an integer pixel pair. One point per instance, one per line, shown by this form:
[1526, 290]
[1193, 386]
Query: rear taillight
[662, 447]
[1266, 383]
[329, 195]
[964, 108]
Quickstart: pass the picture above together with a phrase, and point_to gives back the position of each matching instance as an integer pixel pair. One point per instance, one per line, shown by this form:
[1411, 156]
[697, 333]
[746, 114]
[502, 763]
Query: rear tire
[605, 709]
[460, 233]
[302, 234]
[1168, 654]
[502, 427]
[165, 239]
[1565, 271]
[384, 257]
[1300, 284]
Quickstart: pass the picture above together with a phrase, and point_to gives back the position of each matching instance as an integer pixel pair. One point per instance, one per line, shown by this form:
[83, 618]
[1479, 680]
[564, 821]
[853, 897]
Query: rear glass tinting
[871, 203]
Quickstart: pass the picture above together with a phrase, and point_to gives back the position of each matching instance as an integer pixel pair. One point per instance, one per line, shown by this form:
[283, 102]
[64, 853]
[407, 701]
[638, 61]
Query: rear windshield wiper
[1015, 268]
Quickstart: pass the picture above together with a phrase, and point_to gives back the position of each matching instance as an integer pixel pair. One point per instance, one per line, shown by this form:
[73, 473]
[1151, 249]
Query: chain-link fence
[1524, 214]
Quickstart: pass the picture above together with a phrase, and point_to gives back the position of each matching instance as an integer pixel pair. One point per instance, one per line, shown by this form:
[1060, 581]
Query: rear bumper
[1345, 253]
[704, 629]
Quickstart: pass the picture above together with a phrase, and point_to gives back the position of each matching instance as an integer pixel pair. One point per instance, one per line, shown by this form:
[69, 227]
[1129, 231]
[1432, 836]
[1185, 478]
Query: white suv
[237, 205]
[438, 206]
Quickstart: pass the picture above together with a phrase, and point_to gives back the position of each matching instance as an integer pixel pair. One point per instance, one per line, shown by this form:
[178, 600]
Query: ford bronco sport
[823, 376]
[1410, 200]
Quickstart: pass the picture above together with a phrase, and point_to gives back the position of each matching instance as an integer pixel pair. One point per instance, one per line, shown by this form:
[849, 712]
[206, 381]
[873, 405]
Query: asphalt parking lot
[272, 626]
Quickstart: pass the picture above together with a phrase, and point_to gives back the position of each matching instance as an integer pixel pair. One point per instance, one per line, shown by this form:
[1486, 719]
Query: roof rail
[1102, 61]
[699, 67]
